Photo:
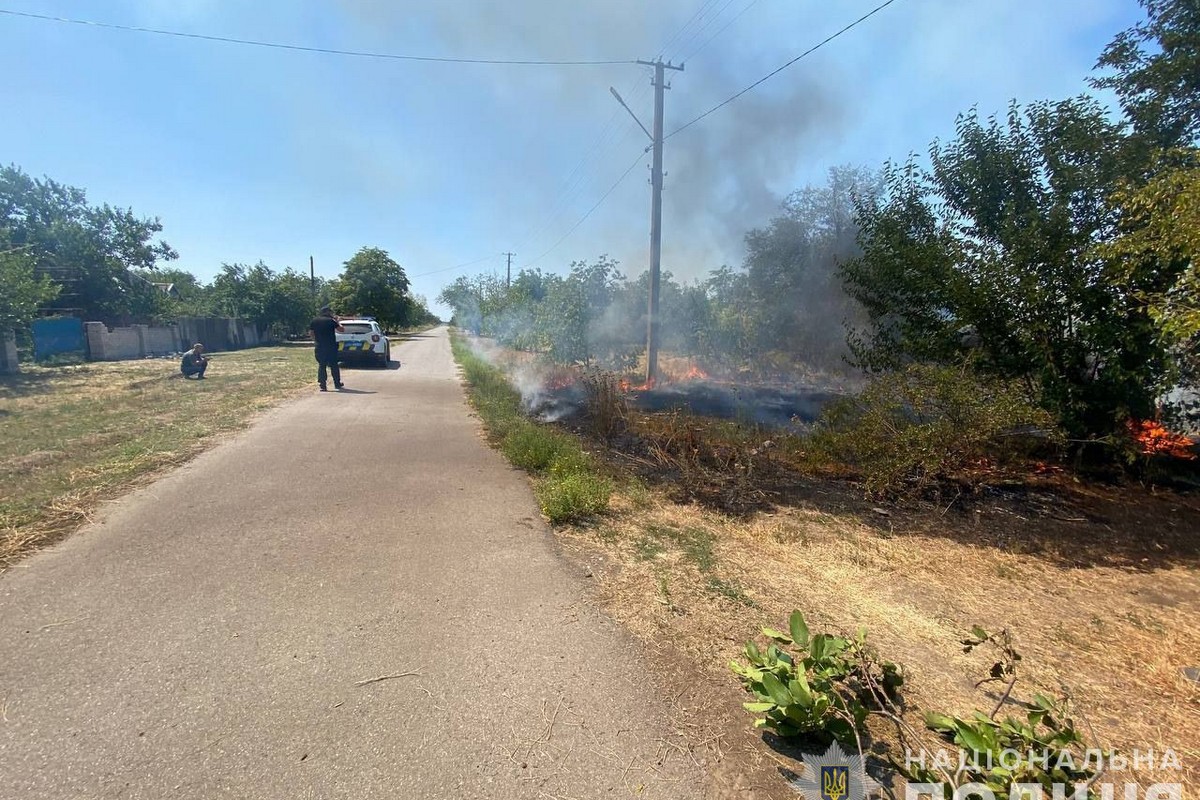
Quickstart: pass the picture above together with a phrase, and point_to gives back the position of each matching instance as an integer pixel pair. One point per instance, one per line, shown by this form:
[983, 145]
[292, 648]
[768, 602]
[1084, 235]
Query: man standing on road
[324, 332]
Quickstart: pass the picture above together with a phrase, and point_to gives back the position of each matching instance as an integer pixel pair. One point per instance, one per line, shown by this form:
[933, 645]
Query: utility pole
[312, 276]
[656, 184]
[508, 279]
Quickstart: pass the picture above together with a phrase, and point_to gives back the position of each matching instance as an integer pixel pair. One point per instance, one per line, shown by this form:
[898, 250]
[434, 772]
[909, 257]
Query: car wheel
[387, 357]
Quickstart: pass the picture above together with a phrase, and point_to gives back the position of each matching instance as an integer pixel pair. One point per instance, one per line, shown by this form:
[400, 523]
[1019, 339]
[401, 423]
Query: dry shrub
[915, 429]
[717, 463]
[608, 412]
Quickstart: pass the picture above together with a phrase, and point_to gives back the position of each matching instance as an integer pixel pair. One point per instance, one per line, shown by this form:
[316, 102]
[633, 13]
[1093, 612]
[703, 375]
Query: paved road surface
[205, 638]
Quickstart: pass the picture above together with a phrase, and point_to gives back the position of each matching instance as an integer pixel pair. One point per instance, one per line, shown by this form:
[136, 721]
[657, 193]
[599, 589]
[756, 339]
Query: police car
[361, 340]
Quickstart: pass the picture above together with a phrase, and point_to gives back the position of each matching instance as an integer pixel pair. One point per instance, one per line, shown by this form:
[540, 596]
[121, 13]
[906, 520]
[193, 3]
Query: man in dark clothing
[324, 332]
[194, 363]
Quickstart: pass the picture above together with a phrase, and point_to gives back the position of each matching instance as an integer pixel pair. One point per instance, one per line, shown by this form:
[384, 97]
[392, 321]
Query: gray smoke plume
[726, 174]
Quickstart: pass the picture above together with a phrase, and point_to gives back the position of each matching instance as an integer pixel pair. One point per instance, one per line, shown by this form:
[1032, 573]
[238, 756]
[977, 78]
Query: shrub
[814, 685]
[606, 405]
[924, 424]
[534, 448]
[1042, 746]
[573, 495]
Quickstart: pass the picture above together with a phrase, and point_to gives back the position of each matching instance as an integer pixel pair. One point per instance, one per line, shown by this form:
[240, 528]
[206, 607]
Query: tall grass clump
[567, 484]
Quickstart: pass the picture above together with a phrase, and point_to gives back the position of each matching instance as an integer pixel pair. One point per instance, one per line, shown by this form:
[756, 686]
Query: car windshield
[356, 327]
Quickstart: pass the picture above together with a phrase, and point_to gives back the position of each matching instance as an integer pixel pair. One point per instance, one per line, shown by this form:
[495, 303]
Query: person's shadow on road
[355, 391]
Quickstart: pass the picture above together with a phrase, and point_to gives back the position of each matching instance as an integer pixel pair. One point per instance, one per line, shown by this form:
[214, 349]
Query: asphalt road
[206, 637]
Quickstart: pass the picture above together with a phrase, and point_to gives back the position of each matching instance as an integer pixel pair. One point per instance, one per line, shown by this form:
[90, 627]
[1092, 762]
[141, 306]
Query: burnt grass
[1071, 517]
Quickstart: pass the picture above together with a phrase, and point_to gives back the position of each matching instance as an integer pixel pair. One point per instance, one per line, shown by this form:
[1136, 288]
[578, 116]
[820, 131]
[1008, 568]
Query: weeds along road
[216, 633]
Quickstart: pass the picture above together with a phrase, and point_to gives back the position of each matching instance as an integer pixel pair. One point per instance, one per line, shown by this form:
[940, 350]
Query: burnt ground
[719, 533]
[720, 529]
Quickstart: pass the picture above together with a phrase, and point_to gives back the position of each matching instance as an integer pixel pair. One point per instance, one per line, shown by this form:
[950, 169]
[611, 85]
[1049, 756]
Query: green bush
[531, 448]
[925, 424]
[1041, 746]
[814, 685]
[573, 495]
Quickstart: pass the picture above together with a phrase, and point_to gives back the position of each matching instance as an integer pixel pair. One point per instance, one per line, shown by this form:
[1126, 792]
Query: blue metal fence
[54, 335]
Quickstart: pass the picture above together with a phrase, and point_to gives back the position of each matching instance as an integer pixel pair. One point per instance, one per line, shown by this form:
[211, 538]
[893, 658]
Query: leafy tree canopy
[1155, 71]
[991, 250]
[374, 285]
[89, 249]
[22, 291]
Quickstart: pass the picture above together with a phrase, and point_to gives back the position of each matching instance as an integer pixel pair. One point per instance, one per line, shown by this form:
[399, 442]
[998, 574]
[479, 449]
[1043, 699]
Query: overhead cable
[309, 49]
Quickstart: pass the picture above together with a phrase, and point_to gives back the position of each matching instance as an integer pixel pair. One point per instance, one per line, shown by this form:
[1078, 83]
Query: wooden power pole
[656, 184]
[508, 279]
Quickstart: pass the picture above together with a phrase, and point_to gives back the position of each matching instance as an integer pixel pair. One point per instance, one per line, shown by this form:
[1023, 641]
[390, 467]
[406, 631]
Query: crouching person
[194, 363]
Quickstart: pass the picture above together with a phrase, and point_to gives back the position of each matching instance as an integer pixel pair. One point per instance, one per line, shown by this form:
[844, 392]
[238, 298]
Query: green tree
[90, 249]
[281, 303]
[1156, 73]
[191, 298]
[792, 269]
[992, 250]
[419, 313]
[1161, 225]
[465, 296]
[374, 285]
[22, 290]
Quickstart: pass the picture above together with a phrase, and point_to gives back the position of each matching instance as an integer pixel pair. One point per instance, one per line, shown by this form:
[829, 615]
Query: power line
[582, 219]
[456, 266]
[702, 25]
[574, 184]
[767, 77]
[685, 26]
[308, 49]
[719, 31]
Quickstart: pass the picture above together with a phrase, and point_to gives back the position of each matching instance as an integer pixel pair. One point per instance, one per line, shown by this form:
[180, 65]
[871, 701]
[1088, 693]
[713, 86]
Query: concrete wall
[140, 341]
[135, 341]
[8, 354]
[161, 341]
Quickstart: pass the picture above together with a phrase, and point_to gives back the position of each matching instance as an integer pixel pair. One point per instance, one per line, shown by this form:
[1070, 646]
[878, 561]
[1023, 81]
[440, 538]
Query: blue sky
[247, 153]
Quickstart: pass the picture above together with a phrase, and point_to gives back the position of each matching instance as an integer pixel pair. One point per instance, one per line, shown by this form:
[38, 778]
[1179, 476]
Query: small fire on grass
[1156, 440]
[694, 373]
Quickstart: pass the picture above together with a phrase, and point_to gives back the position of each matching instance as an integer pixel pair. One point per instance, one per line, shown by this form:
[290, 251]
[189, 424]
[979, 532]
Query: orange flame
[1155, 440]
[695, 374]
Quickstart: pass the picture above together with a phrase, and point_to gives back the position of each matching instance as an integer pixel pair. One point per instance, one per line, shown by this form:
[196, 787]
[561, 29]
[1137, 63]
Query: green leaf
[778, 636]
[978, 632]
[940, 722]
[1044, 703]
[800, 691]
[969, 737]
[799, 628]
[758, 708]
[816, 647]
[776, 690]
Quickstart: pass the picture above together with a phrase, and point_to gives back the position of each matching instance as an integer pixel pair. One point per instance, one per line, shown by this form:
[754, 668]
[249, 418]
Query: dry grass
[1100, 585]
[74, 436]
[1117, 636]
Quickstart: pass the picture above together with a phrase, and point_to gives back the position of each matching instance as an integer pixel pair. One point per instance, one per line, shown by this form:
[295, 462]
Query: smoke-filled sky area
[251, 153]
